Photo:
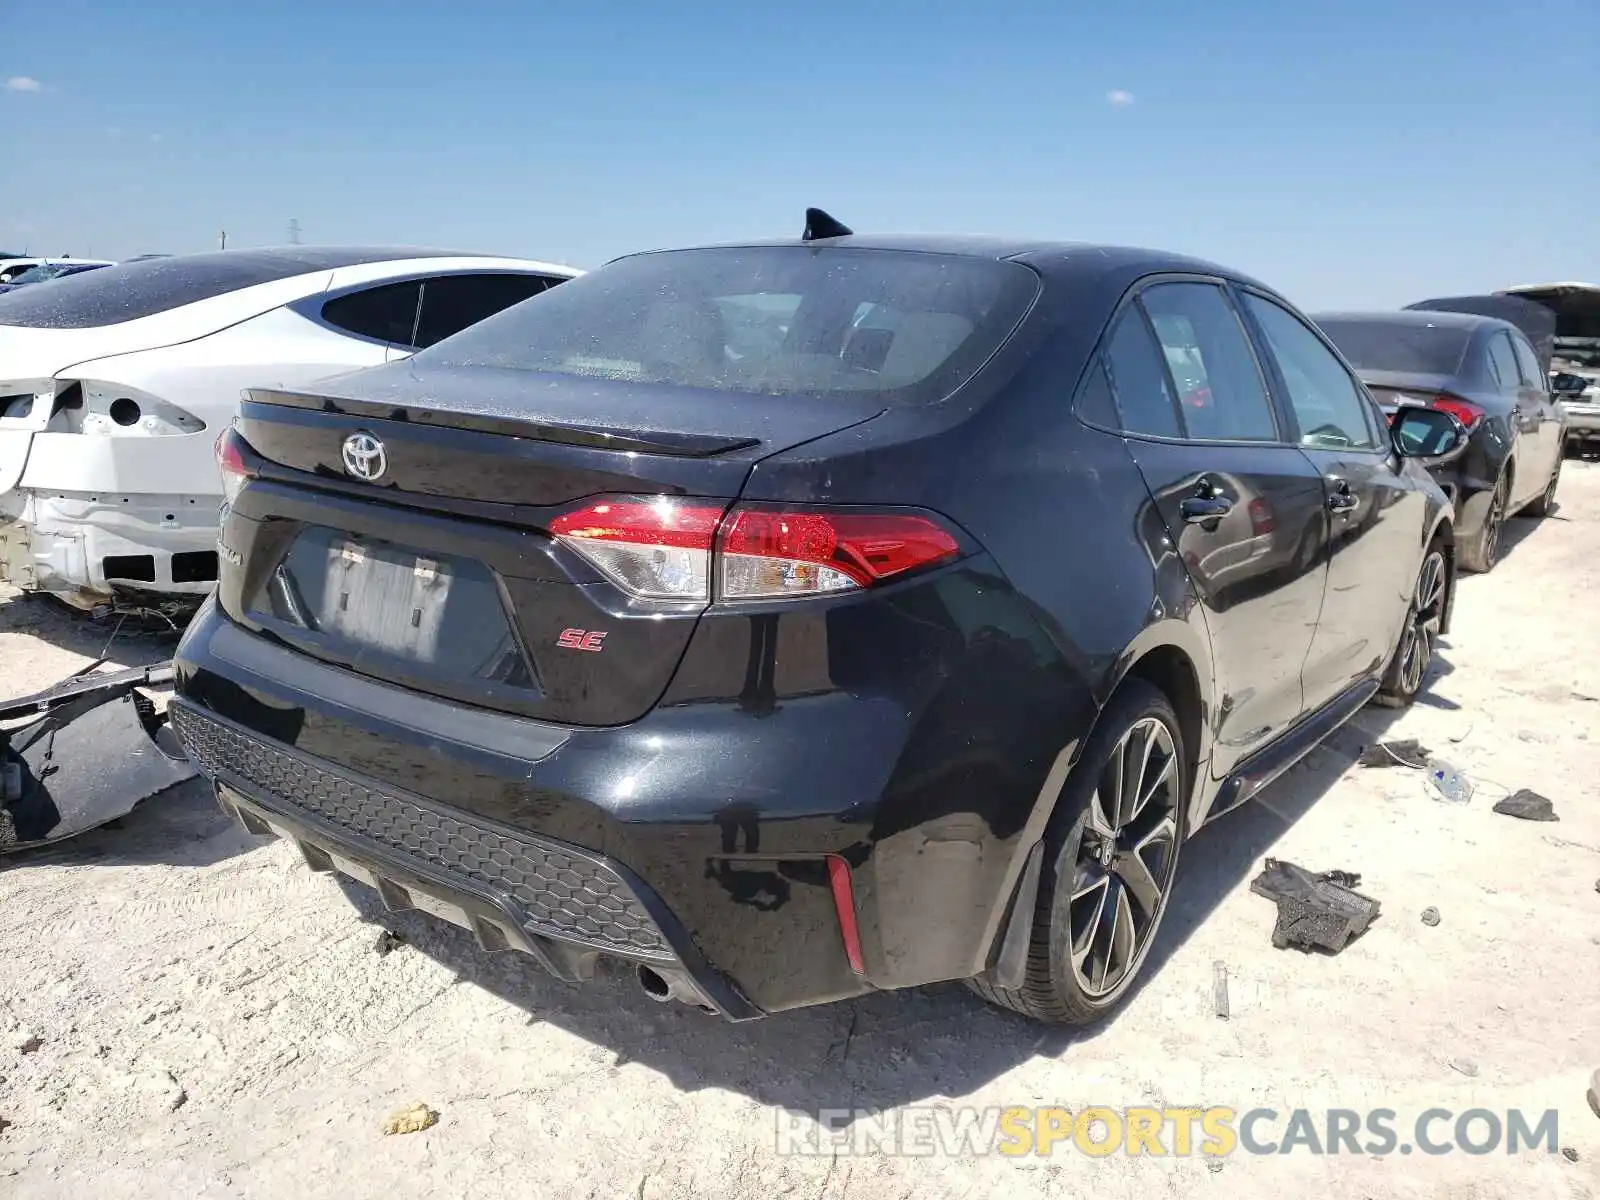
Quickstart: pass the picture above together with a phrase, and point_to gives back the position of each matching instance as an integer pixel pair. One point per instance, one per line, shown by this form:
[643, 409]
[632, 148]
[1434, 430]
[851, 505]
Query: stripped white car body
[95, 506]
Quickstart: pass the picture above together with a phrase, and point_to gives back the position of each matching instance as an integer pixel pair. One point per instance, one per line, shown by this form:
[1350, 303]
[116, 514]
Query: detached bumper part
[513, 889]
[95, 750]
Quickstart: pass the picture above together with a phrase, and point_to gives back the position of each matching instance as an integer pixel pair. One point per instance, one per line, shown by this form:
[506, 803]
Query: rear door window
[1144, 398]
[387, 313]
[1529, 363]
[450, 303]
[1221, 394]
[1328, 405]
[1503, 362]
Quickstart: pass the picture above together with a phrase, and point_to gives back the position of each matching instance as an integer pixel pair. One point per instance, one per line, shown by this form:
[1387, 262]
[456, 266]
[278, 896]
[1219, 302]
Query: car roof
[1047, 256]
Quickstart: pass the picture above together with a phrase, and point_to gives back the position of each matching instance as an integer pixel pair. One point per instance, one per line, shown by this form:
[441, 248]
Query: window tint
[1529, 362]
[1328, 405]
[777, 321]
[450, 303]
[1143, 395]
[1503, 363]
[387, 313]
[1095, 404]
[1220, 392]
[1399, 343]
[131, 290]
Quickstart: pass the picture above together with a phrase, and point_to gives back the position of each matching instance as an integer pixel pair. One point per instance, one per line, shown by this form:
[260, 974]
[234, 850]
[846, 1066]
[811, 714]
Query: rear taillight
[230, 461]
[654, 547]
[771, 553]
[1468, 413]
[660, 548]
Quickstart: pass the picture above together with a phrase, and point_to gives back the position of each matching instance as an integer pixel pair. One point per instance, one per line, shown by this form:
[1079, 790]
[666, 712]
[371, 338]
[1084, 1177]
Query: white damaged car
[115, 383]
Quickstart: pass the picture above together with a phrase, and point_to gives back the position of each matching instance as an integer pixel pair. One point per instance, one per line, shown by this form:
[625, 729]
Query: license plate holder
[384, 598]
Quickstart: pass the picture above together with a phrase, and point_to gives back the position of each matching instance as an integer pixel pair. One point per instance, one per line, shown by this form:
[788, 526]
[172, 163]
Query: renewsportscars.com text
[1159, 1132]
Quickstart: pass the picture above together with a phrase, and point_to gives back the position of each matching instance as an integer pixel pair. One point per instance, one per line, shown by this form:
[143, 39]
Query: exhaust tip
[657, 988]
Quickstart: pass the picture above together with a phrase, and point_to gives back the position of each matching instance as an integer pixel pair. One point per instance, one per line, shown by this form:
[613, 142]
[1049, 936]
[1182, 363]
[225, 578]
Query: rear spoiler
[1537, 323]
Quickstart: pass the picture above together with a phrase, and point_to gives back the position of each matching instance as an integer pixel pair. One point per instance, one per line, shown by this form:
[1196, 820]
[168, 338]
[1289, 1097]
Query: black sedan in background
[797, 619]
[1486, 373]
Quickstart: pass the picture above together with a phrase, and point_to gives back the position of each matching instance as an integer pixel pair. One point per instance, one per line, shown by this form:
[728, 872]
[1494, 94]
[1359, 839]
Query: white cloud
[1119, 98]
[23, 83]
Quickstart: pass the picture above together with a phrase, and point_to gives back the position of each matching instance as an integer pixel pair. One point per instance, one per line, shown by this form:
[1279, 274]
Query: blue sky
[1369, 154]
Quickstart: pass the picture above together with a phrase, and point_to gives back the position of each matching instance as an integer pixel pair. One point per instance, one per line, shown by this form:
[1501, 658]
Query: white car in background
[115, 383]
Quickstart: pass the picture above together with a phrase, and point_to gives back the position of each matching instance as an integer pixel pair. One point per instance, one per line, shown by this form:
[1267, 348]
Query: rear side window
[1503, 363]
[450, 303]
[1529, 362]
[1329, 407]
[1144, 397]
[1220, 391]
[387, 313]
[131, 290]
[904, 327]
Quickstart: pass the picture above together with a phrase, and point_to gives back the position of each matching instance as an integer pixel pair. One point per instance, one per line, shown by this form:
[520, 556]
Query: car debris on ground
[1405, 752]
[89, 750]
[1528, 805]
[1315, 911]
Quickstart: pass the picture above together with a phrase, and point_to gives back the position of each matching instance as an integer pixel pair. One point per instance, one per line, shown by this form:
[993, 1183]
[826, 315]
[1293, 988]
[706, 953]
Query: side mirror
[1564, 383]
[1427, 433]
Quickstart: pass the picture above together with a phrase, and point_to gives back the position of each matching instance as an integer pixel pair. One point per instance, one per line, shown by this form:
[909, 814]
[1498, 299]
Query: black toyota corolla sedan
[1486, 372]
[800, 619]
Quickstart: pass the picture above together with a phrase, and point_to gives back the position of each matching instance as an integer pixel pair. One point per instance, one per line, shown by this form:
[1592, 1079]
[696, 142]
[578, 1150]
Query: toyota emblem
[364, 456]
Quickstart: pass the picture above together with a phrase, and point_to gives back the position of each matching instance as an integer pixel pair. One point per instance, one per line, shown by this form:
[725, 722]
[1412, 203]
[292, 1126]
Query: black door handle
[1196, 510]
[1342, 499]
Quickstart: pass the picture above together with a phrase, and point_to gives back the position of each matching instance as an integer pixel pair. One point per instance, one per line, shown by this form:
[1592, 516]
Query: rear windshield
[141, 289]
[780, 320]
[1408, 346]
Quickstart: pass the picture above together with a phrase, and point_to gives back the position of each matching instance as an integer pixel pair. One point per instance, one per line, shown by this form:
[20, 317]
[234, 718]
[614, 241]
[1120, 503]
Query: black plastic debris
[1528, 805]
[1406, 752]
[94, 748]
[388, 941]
[1315, 911]
[1430, 916]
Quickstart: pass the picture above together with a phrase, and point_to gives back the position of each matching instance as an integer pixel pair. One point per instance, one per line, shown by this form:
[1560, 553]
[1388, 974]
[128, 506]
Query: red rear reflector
[844, 903]
[773, 553]
[1468, 413]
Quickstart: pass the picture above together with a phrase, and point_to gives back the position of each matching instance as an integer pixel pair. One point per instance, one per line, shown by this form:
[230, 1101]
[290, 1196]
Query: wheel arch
[1172, 657]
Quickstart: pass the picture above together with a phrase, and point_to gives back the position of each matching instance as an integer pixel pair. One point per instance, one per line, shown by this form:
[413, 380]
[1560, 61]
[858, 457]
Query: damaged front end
[86, 751]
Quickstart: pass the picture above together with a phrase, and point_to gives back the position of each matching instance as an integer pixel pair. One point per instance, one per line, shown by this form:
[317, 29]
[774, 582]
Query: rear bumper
[718, 813]
[513, 890]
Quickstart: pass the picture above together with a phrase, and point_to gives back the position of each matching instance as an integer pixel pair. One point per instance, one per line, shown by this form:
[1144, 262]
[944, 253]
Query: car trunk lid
[440, 571]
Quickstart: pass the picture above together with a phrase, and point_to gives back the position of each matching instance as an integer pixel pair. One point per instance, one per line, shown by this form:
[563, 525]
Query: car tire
[1485, 511]
[1092, 932]
[1546, 503]
[1407, 672]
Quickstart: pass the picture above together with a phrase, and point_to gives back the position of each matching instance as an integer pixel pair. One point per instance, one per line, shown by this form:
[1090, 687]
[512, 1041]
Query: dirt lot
[188, 1011]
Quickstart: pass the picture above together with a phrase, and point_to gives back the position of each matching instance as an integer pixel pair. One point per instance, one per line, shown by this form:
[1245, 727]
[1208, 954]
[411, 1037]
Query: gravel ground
[189, 1011]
